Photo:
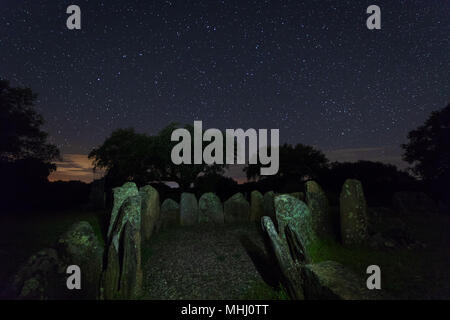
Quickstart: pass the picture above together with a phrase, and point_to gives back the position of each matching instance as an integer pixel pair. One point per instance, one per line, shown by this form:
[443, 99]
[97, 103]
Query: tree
[296, 163]
[130, 156]
[428, 150]
[21, 136]
[25, 155]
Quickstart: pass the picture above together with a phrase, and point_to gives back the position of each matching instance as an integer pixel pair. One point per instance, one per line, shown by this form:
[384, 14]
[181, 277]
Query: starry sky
[309, 68]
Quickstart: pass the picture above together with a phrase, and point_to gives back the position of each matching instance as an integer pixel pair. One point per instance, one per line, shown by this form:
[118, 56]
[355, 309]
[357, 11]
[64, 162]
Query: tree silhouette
[296, 163]
[25, 155]
[428, 150]
[130, 156]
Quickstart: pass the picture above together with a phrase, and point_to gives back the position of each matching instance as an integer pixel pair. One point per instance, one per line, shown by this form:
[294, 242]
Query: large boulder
[236, 209]
[329, 280]
[80, 246]
[149, 211]
[256, 206]
[188, 209]
[296, 213]
[353, 213]
[320, 209]
[120, 195]
[211, 209]
[269, 204]
[408, 202]
[41, 277]
[170, 214]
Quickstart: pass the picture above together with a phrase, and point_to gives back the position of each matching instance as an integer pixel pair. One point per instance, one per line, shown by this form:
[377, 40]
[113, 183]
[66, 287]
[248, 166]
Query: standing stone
[211, 209]
[256, 206]
[268, 204]
[320, 209]
[131, 276]
[289, 264]
[298, 195]
[80, 246]
[296, 213]
[353, 213]
[124, 258]
[149, 211]
[170, 214]
[120, 195]
[236, 209]
[188, 209]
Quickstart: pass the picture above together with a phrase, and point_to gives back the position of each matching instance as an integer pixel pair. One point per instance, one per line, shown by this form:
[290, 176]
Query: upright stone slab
[211, 210]
[353, 213]
[296, 213]
[131, 276]
[120, 195]
[124, 253]
[320, 209]
[256, 206]
[170, 214]
[269, 204]
[149, 211]
[298, 195]
[188, 209]
[80, 246]
[236, 209]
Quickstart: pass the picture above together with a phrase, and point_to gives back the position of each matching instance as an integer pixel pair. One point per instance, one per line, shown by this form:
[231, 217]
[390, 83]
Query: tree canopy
[21, 136]
[428, 148]
[130, 156]
[296, 162]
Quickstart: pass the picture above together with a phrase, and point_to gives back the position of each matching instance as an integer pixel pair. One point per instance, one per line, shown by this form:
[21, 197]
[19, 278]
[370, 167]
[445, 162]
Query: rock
[210, 209]
[149, 211]
[353, 213]
[256, 206]
[40, 278]
[130, 211]
[289, 265]
[120, 195]
[269, 204]
[188, 209]
[298, 195]
[123, 260]
[131, 276]
[296, 213]
[170, 214]
[320, 209]
[111, 275]
[236, 209]
[413, 202]
[80, 246]
[329, 280]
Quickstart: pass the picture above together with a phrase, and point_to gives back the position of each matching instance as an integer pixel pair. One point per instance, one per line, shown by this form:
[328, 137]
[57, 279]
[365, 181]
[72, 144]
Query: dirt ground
[206, 262]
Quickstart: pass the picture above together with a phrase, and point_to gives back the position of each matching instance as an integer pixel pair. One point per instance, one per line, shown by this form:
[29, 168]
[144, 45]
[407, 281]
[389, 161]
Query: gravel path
[203, 262]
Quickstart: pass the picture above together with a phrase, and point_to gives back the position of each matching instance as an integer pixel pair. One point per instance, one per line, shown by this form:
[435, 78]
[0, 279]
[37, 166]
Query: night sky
[309, 68]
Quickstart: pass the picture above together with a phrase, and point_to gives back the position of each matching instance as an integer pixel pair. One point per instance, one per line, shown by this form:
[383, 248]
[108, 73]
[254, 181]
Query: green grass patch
[262, 291]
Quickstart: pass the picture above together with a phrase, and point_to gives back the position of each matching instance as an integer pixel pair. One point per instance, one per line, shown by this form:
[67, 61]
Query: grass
[262, 291]
[406, 274]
